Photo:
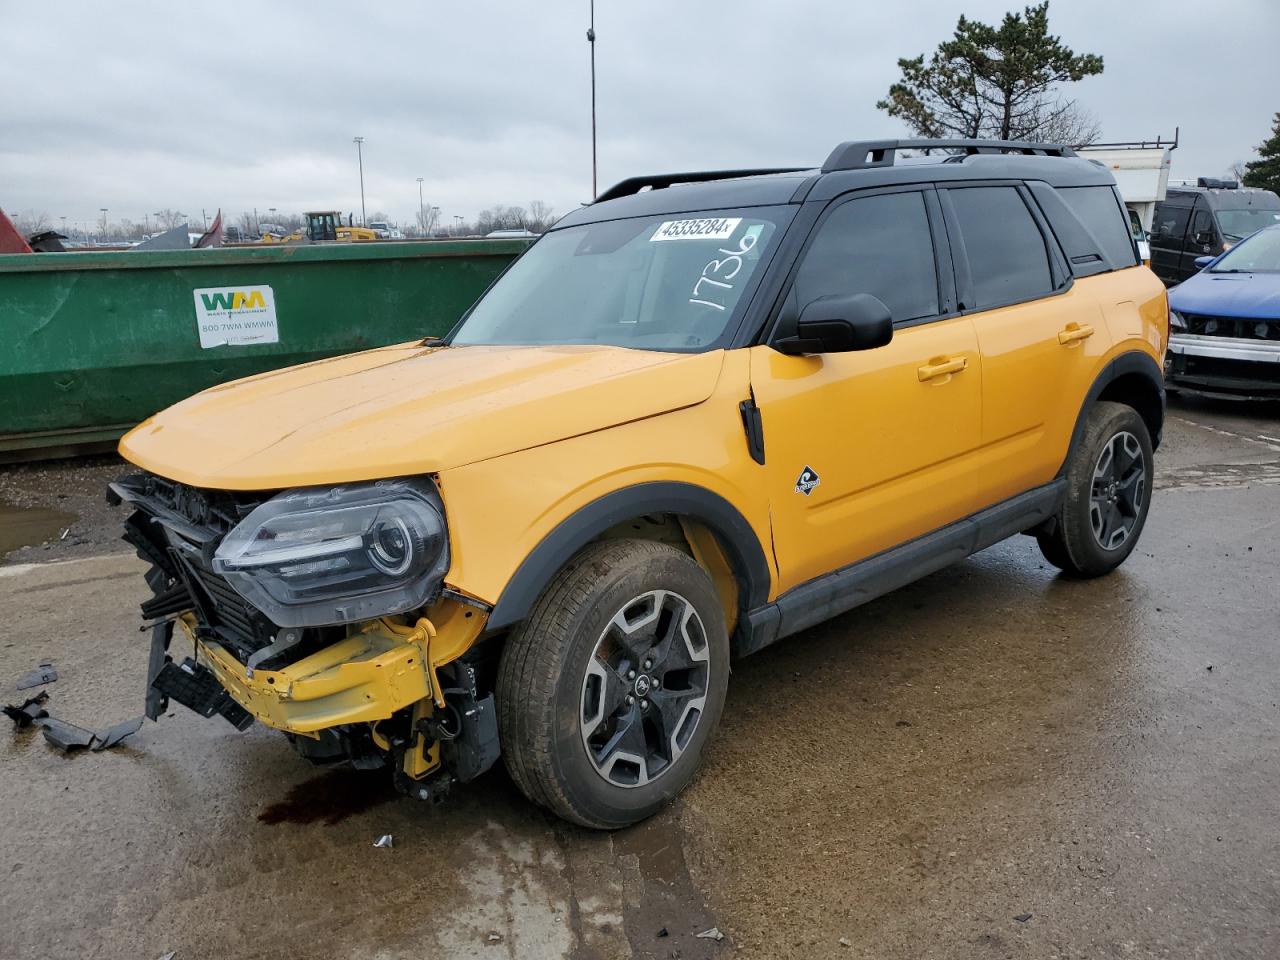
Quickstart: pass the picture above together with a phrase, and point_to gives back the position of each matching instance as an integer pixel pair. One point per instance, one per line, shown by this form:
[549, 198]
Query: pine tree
[995, 82]
[1265, 171]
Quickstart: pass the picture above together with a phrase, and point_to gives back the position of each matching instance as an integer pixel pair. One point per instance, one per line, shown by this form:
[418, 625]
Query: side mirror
[840, 325]
[1202, 262]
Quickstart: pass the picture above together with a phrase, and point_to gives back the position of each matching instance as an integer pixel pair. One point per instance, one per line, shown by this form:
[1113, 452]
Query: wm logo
[236, 300]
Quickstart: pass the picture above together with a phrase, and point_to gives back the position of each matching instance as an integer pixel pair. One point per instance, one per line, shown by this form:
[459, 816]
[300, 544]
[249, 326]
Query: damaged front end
[321, 613]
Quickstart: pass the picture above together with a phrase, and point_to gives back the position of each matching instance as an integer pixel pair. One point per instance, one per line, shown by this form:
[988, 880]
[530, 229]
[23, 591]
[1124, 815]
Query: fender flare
[1133, 362]
[736, 536]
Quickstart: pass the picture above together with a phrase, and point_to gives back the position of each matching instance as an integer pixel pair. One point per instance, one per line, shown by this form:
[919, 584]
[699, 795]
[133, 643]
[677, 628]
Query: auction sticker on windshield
[709, 228]
[235, 316]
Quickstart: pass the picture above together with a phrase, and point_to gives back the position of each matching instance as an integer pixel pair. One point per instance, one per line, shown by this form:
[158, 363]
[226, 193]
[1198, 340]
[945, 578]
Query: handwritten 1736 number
[719, 274]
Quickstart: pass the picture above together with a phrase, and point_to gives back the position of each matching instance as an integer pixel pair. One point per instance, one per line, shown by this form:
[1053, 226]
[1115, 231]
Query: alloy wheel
[645, 688]
[1118, 491]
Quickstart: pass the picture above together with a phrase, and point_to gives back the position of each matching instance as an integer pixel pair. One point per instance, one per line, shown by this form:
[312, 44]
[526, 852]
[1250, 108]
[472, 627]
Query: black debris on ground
[63, 735]
[29, 712]
[44, 672]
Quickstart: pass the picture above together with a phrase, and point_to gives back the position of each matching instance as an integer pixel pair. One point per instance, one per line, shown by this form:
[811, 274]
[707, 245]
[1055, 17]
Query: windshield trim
[784, 217]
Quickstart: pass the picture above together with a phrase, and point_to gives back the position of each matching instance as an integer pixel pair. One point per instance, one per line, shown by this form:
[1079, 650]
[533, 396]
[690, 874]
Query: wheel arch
[684, 501]
[1134, 379]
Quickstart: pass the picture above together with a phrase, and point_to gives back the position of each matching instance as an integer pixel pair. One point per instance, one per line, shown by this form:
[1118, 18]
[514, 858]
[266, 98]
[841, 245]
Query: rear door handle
[1074, 332]
[931, 371]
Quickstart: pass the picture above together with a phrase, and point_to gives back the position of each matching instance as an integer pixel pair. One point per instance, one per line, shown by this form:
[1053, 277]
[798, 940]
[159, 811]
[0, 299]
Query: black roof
[1229, 198]
[851, 165]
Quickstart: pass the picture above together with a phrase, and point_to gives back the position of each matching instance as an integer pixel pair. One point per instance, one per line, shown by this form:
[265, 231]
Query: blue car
[1224, 322]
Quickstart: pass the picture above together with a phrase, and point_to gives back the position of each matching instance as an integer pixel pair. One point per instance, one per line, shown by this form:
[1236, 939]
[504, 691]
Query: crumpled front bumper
[1223, 365]
[363, 678]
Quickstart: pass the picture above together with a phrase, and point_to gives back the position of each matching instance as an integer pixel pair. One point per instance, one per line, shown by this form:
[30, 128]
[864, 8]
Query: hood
[1229, 295]
[408, 410]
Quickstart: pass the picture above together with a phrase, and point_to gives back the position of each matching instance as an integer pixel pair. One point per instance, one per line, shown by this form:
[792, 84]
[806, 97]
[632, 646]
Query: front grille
[1227, 375]
[231, 617]
[1239, 328]
[189, 524]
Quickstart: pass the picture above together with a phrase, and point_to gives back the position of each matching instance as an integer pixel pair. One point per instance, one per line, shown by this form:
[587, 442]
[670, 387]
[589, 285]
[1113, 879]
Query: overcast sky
[142, 106]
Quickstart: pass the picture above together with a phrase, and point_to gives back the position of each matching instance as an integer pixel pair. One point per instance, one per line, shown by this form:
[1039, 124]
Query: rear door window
[879, 245]
[1099, 209]
[1008, 259]
[1169, 225]
[1201, 233]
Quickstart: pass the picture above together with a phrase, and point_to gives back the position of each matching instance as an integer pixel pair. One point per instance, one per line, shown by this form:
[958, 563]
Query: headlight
[1176, 321]
[311, 557]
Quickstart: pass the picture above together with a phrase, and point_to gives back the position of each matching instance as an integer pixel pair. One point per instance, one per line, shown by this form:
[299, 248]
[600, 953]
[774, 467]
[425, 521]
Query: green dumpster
[92, 343]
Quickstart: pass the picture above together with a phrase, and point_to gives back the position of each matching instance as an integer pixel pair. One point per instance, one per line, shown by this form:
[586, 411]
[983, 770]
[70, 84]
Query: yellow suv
[699, 415]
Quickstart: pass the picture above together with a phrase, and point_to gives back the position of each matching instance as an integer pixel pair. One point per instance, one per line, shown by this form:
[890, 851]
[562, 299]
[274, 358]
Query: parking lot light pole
[591, 39]
[359, 142]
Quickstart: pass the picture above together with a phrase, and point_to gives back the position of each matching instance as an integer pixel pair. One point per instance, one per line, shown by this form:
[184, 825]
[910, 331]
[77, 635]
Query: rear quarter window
[1099, 209]
[1006, 253]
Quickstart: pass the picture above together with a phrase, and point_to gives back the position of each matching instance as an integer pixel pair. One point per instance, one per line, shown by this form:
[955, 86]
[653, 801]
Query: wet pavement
[993, 762]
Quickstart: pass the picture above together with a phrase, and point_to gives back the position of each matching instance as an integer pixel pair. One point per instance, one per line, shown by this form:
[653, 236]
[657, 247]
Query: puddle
[332, 797]
[663, 895]
[27, 526]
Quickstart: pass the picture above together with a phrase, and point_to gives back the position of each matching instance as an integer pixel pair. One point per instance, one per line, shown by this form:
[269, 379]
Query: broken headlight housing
[1177, 323]
[313, 557]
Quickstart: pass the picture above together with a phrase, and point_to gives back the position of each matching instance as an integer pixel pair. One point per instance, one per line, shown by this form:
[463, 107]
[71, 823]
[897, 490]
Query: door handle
[931, 371]
[1074, 332]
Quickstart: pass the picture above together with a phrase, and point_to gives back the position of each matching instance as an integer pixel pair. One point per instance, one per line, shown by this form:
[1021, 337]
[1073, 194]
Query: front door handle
[931, 371]
[1075, 331]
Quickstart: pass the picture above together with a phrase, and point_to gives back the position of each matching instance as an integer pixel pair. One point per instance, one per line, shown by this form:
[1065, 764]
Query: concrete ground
[993, 762]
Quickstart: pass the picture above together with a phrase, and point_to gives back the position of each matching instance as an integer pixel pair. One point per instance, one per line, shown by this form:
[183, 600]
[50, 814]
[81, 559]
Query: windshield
[1135, 226]
[1238, 224]
[671, 282]
[1259, 254]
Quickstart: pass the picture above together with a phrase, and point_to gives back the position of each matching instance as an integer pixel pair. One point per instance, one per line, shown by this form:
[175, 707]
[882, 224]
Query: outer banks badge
[807, 481]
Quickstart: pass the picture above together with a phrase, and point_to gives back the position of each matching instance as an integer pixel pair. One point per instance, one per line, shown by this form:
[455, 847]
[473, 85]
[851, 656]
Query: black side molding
[735, 534]
[842, 590]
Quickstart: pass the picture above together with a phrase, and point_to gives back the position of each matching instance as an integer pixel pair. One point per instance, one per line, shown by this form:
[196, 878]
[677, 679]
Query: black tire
[1089, 516]
[544, 689]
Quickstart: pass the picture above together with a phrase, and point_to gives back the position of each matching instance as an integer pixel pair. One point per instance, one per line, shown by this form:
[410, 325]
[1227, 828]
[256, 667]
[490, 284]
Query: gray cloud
[137, 106]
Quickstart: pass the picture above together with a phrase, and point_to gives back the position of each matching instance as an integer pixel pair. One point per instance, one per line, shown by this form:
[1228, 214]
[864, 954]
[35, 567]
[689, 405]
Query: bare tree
[424, 221]
[499, 217]
[1062, 121]
[168, 219]
[537, 218]
[31, 221]
[1237, 171]
[540, 217]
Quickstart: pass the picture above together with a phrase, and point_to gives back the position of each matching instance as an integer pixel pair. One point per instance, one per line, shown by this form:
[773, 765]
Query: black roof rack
[658, 181]
[863, 154]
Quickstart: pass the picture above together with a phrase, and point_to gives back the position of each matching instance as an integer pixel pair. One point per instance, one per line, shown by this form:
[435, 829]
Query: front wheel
[612, 687]
[1109, 476]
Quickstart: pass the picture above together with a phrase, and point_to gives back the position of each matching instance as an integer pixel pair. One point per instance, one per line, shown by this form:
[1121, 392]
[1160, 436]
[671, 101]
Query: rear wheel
[1109, 476]
[612, 687]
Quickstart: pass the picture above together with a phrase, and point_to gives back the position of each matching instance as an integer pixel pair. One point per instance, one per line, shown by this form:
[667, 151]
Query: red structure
[11, 241]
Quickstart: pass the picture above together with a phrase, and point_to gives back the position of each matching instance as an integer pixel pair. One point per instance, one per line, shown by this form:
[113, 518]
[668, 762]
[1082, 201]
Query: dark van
[1205, 220]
